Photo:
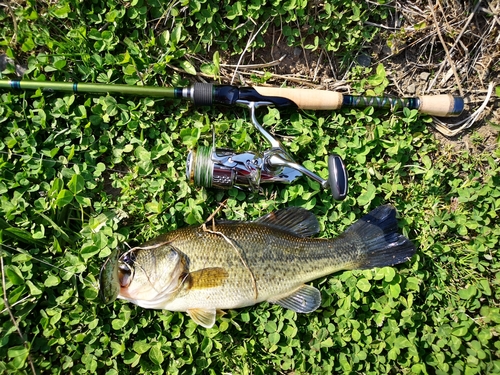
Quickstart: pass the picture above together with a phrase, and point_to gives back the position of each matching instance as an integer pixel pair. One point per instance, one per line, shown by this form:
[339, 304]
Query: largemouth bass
[232, 264]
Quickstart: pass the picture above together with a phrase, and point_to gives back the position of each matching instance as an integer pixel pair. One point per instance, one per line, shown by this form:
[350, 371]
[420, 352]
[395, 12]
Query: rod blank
[97, 88]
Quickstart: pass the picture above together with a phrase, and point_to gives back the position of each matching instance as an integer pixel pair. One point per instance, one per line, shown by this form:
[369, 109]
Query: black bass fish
[232, 264]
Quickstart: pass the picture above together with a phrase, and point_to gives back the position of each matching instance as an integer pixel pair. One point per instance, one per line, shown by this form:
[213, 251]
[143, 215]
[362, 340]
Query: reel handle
[337, 177]
[434, 105]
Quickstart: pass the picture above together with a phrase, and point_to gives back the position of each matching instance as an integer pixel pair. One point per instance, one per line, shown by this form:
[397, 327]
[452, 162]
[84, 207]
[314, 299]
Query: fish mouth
[126, 268]
[116, 273]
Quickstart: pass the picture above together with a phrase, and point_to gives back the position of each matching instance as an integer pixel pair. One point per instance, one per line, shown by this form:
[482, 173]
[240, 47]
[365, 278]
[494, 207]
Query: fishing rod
[210, 94]
[223, 168]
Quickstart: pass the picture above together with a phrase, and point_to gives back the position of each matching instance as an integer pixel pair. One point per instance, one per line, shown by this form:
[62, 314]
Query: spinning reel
[224, 169]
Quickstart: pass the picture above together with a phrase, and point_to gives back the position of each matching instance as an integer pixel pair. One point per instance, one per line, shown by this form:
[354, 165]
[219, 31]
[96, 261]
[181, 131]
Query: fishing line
[12, 318]
[238, 252]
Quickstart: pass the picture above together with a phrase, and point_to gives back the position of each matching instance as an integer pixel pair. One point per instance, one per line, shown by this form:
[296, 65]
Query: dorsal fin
[296, 220]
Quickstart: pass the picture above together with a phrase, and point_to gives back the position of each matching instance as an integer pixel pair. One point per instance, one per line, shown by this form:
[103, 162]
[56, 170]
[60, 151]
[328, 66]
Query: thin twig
[214, 231]
[465, 27]
[302, 44]
[448, 56]
[254, 281]
[249, 42]
[290, 78]
[27, 298]
[213, 214]
[165, 14]
[443, 128]
[318, 64]
[12, 318]
[14, 22]
[334, 73]
[255, 66]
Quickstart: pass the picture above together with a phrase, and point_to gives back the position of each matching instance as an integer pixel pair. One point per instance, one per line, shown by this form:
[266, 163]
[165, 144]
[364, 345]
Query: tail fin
[381, 243]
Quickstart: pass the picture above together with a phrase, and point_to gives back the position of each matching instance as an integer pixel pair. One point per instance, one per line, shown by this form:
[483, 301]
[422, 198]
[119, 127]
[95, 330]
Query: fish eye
[126, 268]
[128, 258]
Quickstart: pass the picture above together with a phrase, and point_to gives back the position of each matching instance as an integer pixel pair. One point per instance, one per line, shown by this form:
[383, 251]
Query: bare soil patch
[427, 49]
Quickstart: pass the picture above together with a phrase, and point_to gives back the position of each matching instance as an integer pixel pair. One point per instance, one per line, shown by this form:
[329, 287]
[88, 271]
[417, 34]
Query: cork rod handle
[435, 105]
[306, 99]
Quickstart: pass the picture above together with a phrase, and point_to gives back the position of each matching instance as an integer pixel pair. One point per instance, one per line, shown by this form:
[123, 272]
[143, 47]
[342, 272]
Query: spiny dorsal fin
[305, 299]
[207, 278]
[296, 220]
[203, 317]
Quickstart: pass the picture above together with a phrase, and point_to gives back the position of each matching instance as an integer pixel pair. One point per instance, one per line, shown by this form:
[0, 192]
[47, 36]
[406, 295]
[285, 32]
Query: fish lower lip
[108, 279]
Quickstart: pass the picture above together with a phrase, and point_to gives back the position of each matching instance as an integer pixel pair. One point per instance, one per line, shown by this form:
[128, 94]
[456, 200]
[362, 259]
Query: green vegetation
[83, 174]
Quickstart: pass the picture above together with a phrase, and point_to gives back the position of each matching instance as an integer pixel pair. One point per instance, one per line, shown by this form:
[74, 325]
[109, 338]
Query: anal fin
[203, 317]
[304, 299]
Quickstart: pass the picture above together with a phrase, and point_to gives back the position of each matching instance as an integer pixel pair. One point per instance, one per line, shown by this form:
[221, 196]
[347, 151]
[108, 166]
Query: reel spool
[223, 168]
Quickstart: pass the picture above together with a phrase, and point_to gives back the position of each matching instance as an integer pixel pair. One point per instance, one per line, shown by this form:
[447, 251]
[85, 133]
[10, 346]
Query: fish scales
[278, 260]
[235, 264]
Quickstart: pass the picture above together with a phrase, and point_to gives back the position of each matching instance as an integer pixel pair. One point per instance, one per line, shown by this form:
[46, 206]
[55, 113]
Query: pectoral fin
[207, 278]
[203, 317]
[304, 299]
